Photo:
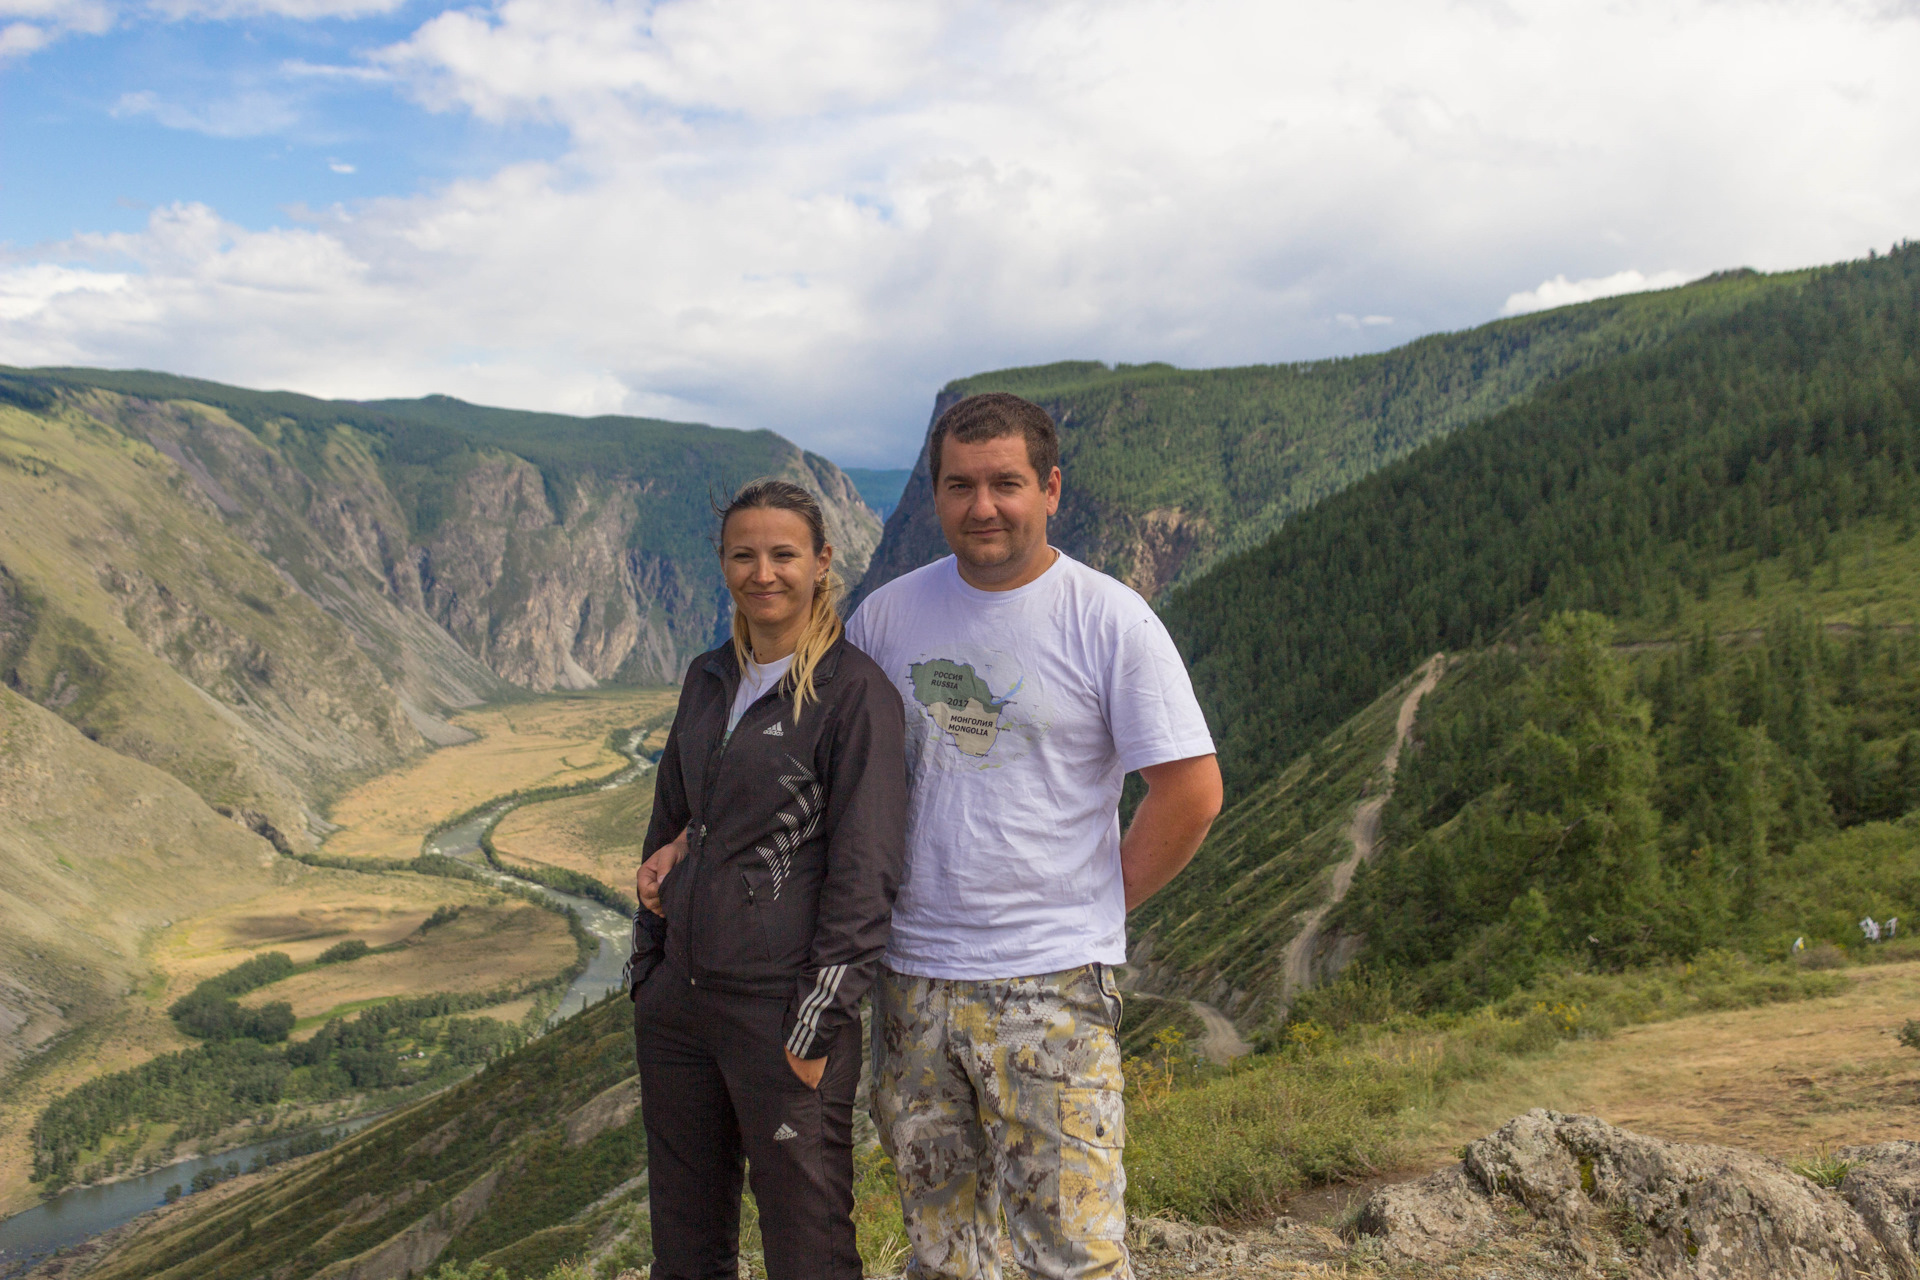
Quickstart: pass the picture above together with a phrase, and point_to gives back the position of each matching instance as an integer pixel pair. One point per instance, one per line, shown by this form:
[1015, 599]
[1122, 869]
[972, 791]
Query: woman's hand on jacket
[646, 881]
[808, 1069]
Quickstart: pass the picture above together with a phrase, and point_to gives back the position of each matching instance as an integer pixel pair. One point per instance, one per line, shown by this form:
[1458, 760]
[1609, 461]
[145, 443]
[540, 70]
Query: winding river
[613, 929]
[79, 1213]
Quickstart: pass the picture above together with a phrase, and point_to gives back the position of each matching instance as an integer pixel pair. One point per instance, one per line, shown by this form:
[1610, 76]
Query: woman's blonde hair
[823, 623]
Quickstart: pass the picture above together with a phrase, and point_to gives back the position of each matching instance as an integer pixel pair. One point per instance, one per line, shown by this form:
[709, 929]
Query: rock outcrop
[1882, 1184]
[1662, 1209]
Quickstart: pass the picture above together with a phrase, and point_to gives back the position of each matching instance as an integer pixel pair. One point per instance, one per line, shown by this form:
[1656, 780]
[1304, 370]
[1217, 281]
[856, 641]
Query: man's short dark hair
[992, 416]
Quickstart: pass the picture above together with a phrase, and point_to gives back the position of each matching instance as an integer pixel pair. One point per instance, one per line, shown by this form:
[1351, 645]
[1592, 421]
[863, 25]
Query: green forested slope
[1573, 804]
[1745, 443]
[516, 1165]
[1168, 469]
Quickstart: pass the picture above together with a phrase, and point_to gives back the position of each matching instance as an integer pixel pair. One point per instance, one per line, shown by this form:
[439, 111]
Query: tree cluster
[205, 1089]
[1568, 804]
[212, 1011]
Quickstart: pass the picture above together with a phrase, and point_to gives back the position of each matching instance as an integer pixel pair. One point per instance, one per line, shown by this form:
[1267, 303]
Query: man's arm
[1183, 798]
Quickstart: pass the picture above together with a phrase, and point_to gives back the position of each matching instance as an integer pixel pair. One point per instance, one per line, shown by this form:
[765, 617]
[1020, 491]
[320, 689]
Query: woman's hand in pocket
[808, 1069]
[646, 881]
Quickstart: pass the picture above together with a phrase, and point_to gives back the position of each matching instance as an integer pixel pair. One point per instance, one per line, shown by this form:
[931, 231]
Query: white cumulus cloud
[30, 25]
[1561, 292]
[27, 291]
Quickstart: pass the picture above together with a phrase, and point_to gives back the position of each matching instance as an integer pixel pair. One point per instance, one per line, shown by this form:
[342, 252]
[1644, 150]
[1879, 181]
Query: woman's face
[771, 568]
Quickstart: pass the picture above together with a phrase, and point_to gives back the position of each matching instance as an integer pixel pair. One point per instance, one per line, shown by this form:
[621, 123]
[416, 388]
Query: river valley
[82, 1212]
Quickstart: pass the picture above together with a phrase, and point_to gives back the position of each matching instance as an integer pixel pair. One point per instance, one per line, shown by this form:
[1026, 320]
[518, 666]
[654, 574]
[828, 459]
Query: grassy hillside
[1751, 481]
[1169, 469]
[1570, 805]
[140, 616]
[101, 855]
[1747, 443]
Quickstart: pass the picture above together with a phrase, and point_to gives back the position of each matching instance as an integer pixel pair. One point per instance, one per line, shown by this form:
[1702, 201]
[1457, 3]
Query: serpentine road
[1363, 833]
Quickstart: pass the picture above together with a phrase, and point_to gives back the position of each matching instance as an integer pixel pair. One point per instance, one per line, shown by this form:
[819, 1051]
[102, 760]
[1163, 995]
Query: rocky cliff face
[270, 597]
[569, 594]
[137, 613]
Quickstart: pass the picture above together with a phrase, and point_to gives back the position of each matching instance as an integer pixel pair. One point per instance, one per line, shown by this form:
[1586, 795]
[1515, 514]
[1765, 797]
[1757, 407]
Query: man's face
[993, 507]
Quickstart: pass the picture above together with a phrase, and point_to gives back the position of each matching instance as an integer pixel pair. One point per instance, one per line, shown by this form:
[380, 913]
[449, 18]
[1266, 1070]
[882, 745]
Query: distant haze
[809, 215]
[879, 489]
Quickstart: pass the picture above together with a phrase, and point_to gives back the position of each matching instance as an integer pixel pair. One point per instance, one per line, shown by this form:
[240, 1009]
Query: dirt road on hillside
[1363, 833]
[1222, 1042]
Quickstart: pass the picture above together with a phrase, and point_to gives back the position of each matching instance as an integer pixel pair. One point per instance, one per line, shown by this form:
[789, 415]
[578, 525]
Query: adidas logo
[784, 1132]
[774, 731]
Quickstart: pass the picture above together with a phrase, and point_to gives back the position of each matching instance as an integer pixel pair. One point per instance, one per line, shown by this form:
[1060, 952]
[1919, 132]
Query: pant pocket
[1092, 1184]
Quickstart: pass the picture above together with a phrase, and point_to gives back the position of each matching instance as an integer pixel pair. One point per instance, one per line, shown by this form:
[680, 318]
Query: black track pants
[715, 1087]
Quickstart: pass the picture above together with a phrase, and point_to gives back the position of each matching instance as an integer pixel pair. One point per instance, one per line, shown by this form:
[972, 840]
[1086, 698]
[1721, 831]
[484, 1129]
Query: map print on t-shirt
[960, 703]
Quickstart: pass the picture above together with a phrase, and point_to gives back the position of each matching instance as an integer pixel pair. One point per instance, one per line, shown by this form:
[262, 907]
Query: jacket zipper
[713, 771]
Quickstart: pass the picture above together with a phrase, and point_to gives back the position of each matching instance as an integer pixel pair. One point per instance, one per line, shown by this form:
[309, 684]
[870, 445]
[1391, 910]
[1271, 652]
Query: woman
[779, 819]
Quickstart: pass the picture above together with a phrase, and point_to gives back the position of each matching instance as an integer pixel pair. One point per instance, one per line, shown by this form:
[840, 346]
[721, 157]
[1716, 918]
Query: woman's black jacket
[795, 838]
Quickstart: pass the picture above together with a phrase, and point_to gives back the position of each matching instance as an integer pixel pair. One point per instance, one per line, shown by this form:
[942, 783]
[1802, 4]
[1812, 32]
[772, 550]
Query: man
[1033, 686]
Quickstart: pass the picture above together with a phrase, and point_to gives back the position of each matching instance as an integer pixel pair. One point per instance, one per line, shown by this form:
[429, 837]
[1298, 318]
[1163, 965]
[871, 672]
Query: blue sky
[809, 214]
[210, 111]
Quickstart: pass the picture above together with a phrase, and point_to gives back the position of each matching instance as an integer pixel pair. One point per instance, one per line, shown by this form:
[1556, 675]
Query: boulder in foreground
[1663, 1209]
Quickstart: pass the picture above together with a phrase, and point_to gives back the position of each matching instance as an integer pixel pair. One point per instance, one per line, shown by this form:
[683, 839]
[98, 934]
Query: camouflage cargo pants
[1005, 1096]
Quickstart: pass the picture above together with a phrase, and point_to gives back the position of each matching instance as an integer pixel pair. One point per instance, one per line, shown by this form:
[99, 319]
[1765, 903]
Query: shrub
[1824, 1169]
[341, 952]
[442, 914]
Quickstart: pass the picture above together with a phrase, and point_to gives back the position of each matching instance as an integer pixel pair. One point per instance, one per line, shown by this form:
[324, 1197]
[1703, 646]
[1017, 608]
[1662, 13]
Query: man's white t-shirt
[1026, 709]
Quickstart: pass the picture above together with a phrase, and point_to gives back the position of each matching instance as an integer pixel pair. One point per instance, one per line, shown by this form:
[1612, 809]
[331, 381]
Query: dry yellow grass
[304, 919]
[512, 1012]
[545, 742]
[1787, 1079]
[482, 948]
[598, 834]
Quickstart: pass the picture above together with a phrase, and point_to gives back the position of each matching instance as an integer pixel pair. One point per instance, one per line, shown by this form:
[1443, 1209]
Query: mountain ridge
[1167, 471]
